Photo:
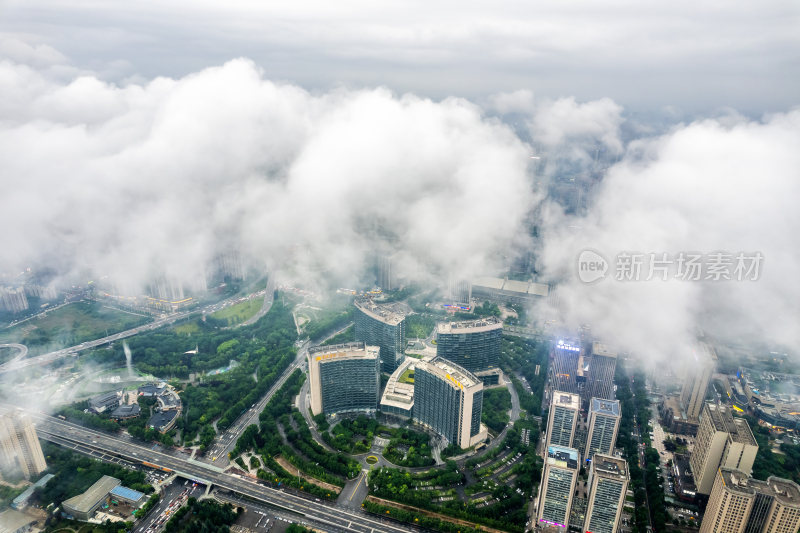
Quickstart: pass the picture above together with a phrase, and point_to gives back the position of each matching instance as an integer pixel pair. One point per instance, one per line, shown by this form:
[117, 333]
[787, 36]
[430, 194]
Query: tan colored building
[562, 419]
[608, 484]
[19, 444]
[699, 371]
[722, 441]
[740, 504]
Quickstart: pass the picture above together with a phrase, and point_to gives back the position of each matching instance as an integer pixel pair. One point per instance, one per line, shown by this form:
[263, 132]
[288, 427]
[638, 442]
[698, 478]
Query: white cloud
[144, 180]
[709, 186]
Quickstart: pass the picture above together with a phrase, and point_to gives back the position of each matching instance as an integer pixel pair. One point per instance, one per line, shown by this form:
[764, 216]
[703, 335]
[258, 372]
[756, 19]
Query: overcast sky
[697, 57]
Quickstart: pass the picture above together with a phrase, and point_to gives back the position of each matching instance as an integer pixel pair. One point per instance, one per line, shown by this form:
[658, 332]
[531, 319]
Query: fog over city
[132, 167]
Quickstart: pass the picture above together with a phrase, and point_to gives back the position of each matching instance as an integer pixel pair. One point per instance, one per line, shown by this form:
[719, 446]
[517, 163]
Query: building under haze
[13, 299]
[459, 291]
[564, 362]
[600, 376]
[557, 488]
[472, 344]
[344, 378]
[382, 325]
[562, 420]
[699, 370]
[449, 399]
[19, 444]
[607, 487]
[740, 504]
[722, 441]
[603, 423]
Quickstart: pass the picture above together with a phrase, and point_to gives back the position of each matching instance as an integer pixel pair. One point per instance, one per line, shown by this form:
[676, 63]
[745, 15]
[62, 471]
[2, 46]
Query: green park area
[238, 313]
[70, 325]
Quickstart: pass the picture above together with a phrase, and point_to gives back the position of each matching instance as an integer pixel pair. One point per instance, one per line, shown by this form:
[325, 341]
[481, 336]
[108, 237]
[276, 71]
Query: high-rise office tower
[562, 419]
[565, 359]
[740, 504]
[559, 476]
[449, 399]
[722, 440]
[701, 367]
[386, 271]
[13, 300]
[459, 291]
[604, 418]
[344, 377]
[600, 379]
[382, 325]
[19, 445]
[608, 484]
[473, 344]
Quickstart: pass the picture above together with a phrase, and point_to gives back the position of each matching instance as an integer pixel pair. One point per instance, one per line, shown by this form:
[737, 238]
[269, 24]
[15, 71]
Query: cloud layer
[140, 181]
[713, 185]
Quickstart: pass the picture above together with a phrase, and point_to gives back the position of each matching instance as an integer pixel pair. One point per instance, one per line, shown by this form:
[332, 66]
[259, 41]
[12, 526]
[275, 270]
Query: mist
[148, 179]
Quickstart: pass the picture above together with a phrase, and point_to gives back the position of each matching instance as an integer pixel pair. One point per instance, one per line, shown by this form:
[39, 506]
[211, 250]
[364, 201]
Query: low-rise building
[83, 506]
[134, 498]
[12, 521]
[105, 402]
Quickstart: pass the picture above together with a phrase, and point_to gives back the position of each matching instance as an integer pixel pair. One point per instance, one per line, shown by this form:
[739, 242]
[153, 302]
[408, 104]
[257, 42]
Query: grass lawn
[70, 325]
[238, 313]
[407, 376]
[187, 328]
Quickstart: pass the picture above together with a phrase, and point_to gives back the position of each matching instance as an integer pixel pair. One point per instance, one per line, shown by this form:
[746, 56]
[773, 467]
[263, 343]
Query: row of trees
[75, 473]
[646, 485]
[207, 516]
[496, 404]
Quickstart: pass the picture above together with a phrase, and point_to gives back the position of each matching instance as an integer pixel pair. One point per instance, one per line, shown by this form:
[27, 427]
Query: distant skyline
[672, 57]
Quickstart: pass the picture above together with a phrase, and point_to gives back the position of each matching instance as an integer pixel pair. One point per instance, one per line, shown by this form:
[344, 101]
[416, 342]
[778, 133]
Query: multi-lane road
[18, 363]
[217, 453]
[328, 516]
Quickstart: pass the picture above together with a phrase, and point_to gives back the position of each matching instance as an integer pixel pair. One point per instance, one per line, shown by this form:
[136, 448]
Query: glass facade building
[604, 418]
[563, 419]
[558, 486]
[344, 378]
[449, 399]
[608, 484]
[382, 325]
[472, 344]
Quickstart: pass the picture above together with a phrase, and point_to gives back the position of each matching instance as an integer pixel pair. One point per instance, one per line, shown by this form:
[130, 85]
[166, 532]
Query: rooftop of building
[106, 396]
[128, 494]
[127, 410]
[722, 420]
[609, 465]
[161, 419]
[27, 493]
[11, 521]
[151, 388]
[503, 284]
[388, 313]
[598, 348]
[566, 399]
[84, 502]
[783, 490]
[348, 350]
[470, 326]
[683, 470]
[556, 455]
[399, 394]
[455, 374]
[605, 407]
